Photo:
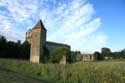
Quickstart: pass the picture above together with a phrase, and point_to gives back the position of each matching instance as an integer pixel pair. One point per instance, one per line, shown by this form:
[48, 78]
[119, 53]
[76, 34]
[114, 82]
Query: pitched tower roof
[39, 25]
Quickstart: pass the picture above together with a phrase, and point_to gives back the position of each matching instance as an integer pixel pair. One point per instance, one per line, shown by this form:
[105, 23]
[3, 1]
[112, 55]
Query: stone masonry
[37, 39]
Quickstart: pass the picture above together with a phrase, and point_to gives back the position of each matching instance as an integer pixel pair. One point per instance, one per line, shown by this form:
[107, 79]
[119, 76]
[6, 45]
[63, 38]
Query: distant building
[89, 57]
[76, 56]
[37, 39]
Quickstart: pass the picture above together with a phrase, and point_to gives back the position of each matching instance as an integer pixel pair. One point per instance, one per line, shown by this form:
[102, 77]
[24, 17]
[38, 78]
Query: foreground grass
[7, 76]
[83, 72]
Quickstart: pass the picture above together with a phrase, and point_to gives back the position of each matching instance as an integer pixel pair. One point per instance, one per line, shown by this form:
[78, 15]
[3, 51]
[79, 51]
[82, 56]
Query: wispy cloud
[20, 10]
[73, 23]
[8, 29]
[16, 16]
[67, 21]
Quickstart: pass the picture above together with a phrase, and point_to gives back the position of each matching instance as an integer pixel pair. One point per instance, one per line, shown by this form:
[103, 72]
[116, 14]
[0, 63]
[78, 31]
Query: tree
[3, 46]
[106, 52]
[116, 55]
[123, 53]
[10, 49]
[25, 50]
[58, 53]
[78, 52]
[98, 56]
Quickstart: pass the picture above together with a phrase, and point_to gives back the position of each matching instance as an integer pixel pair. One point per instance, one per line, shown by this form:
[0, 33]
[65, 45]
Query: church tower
[37, 41]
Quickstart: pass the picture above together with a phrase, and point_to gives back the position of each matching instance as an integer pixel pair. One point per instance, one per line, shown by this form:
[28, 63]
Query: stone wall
[83, 57]
[88, 57]
[35, 46]
[63, 60]
[28, 36]
[52, 45]
[37, 39]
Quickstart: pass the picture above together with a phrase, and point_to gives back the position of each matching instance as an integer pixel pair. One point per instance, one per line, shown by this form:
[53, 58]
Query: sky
[86, 25]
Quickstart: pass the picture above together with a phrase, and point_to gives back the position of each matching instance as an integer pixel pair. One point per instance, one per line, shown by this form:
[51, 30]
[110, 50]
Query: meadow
[80, 72]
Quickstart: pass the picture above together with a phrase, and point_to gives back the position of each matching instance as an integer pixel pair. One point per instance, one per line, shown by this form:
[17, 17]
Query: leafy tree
[3, 46]
[25, 50]
[116, 55]
[106, 52]
[123, 53]
[98, 56]
[78, 52]
[10, 49]
[58, 53]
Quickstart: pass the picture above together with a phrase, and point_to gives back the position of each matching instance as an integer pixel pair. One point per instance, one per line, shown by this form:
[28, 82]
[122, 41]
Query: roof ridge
[39, 25]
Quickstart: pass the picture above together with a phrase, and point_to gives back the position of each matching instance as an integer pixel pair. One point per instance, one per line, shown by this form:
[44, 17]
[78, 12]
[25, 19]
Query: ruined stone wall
[37, 39]
[63, 60]
[88, 57]
[28, 36]
[52, 45]
[35, 46]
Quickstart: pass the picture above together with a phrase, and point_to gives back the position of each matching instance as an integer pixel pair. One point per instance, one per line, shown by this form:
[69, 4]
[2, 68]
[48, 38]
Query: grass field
[7, 76]
[81, 72]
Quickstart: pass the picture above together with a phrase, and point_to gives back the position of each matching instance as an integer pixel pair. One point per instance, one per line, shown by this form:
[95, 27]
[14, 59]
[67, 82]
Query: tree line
[11, 49]
[18, 50]
[106, 53]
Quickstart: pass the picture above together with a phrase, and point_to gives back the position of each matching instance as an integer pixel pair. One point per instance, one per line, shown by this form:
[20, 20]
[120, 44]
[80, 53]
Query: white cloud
[67, 19]
[68, 22]
[73, 23]
[9, 30]
[97, 42]
[19, 12]
[87, 29]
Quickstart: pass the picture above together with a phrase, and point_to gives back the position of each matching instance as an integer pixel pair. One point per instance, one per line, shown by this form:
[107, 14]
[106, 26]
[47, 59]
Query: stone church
[37, 39]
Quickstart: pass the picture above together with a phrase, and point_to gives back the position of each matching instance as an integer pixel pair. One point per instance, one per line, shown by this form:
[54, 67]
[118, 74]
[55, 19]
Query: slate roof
[39, 25]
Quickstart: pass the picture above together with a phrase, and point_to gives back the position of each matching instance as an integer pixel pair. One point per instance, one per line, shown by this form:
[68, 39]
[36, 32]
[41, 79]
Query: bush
[10, 49]
[98, 56]
[58, 53]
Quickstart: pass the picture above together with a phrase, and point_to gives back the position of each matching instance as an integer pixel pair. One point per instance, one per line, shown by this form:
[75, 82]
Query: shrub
[58, 53]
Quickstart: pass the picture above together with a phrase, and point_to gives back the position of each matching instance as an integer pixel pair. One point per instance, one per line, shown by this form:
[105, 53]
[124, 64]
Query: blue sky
[86, 25]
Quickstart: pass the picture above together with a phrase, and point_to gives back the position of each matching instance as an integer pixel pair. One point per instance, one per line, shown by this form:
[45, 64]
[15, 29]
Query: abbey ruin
[37, 39]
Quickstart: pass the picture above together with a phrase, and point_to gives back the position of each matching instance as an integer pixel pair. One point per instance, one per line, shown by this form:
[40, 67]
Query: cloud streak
[67, 21]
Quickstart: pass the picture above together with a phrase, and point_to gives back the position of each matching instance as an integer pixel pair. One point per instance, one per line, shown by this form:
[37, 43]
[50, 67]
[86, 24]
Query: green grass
[7, 76]
[81, 72]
